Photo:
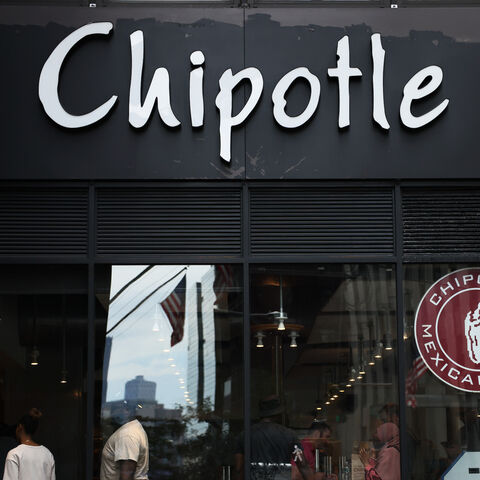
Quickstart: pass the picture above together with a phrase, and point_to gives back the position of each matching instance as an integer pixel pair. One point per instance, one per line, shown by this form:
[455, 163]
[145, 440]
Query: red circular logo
[447, 329]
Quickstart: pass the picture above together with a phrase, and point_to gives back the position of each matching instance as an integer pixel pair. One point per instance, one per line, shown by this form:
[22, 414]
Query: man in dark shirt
[272, 447]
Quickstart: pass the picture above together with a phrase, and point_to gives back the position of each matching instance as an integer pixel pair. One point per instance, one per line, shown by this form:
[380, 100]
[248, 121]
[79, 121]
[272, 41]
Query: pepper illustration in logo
[472, 332]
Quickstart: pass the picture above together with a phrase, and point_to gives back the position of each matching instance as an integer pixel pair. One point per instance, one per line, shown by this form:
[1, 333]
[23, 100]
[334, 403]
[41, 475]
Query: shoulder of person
[47, 451]
[14, 453]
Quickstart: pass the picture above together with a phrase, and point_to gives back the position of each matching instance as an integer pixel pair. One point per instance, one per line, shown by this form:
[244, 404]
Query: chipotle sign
[447, 329]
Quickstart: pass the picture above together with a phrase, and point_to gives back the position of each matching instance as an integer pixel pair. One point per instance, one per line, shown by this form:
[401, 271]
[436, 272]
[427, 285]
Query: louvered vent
[169, 221]
[43, 221]
[441, 221]
[327, 221]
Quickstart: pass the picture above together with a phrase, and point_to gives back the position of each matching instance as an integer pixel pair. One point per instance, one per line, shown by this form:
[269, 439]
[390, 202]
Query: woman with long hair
[386, 466]
[29, 460]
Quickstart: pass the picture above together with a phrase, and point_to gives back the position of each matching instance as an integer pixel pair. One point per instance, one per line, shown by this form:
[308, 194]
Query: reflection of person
[29, 460]
[387, 464]
[125, 455]
[470, 432]
[274, 444]
[318, 435]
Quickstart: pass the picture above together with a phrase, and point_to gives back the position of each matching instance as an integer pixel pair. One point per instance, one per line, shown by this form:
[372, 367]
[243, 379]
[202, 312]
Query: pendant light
[34, 354]
[281, 316]
[260, 336]
[63, 373]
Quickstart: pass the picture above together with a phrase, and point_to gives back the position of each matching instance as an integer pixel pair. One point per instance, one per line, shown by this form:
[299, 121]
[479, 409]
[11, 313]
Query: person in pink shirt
[386, 465]
[318, 435]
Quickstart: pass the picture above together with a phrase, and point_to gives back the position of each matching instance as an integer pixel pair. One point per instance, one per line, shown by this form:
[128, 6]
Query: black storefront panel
[273, 42]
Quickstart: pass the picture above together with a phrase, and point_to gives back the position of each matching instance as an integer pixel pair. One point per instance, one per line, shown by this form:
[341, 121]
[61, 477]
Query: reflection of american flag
[174, 307]
[414, 374]
[223, 279]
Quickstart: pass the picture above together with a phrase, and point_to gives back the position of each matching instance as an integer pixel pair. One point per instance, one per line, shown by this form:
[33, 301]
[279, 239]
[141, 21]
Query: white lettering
[196, 89]
[378, 55]
[159, 90]
[467, 278]
[451, 373]
[430, 346]
[49, 78]
[468, 379]
[279, 102]
[224, 104]
[437, 359]
[412, 91]
[343, 72]
[448, 287]
[435, 302]
[426, 332]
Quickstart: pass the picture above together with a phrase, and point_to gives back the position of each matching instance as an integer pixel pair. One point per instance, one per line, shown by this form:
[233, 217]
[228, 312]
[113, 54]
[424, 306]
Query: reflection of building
[140, 390]
[139, 401]
[201, 372]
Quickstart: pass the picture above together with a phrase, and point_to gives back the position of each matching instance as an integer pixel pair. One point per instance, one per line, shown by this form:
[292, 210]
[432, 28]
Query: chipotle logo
[447, 329]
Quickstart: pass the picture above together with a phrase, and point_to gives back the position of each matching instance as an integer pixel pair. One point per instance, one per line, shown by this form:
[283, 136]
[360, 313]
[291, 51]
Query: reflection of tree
[193, 446]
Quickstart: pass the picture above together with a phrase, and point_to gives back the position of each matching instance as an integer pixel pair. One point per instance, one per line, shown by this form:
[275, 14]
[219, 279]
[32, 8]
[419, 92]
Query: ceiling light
[260, 336]
[34, 357]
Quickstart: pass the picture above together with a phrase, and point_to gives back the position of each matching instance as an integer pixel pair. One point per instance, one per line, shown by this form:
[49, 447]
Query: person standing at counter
[318, 435]
[386, 466]
[273, 447]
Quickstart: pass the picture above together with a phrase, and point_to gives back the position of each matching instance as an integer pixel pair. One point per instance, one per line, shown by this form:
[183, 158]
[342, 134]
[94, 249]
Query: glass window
[443, 416]
[43, 351]
[169, 369]
[324, 376]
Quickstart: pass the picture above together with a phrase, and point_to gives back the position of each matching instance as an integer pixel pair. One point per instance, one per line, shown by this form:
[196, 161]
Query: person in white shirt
[125, 455]
[29, 460]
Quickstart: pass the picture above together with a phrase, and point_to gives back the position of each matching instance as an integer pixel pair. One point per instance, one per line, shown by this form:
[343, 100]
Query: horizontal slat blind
[43, 221]
[441, 221]
[169, 221]
[330, 221]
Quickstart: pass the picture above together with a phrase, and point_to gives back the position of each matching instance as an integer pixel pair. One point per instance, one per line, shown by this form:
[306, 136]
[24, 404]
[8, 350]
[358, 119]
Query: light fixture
[388, 342]
[157, 317]
[371, 362]
[352, 374]
[348, 385]
[327, 403]
[34, 354]
[281, 316]
[63, 373]
[378, 350]
[319, 408]
[293, 343]
[342, 390]
[361, 369]
[260, 336]
[335, 396]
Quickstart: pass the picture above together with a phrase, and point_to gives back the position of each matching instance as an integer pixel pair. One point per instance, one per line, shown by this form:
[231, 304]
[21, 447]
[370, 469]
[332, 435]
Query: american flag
[418, 369]
[223, 279]
[174, 307]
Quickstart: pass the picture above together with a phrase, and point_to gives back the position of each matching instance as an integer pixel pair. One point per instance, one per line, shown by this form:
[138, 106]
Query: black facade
[111, 194]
